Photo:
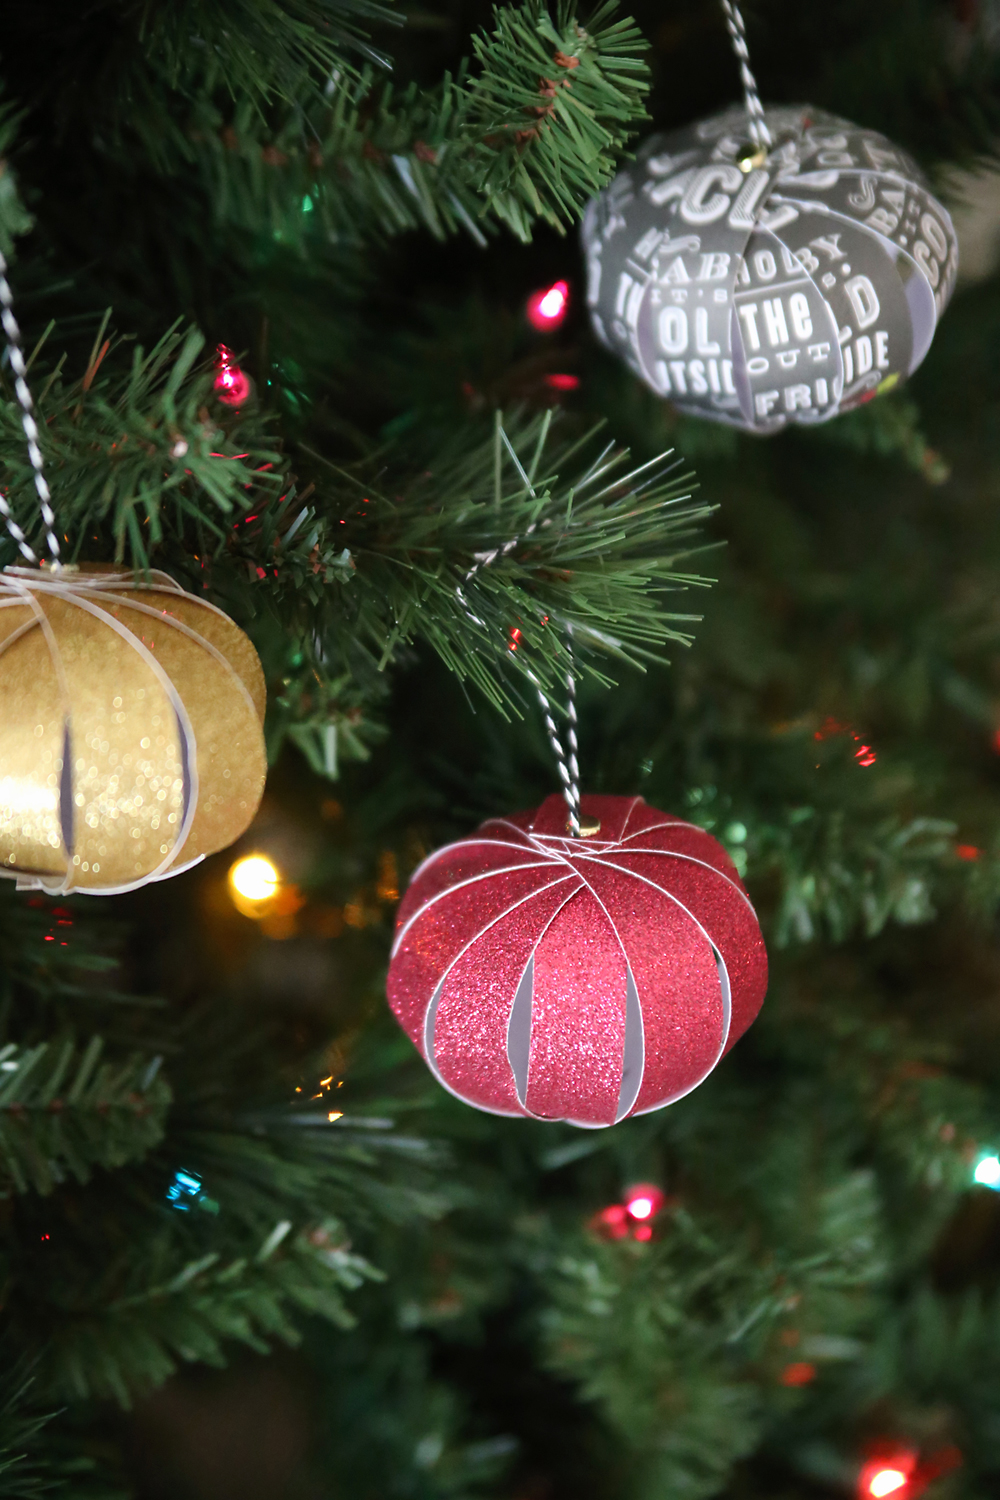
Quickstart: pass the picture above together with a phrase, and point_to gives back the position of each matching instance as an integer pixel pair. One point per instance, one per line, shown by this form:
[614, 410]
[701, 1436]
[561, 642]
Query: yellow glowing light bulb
[254, 878]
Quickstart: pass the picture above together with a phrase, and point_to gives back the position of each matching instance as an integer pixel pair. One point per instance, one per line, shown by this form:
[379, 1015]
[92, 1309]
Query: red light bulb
[887, 1478]
[644, 1201]
[231, 385]
[547, 308]
[886, 1482]
[612, 1223]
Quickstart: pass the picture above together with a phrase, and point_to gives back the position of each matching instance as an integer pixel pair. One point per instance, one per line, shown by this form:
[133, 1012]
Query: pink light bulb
[886, 1482]
[547, 308]
[231, 385]
[644, 1201]
[885, 1477]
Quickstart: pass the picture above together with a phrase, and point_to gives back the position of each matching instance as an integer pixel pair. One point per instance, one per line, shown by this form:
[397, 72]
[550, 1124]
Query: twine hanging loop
[756, 123]
[13, 336]
[567, 761]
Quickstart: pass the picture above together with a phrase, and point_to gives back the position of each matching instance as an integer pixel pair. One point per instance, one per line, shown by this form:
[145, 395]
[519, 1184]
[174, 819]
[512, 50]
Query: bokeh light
[231, 385]
[253, 881]
[884, 1477]
[886, 1482]
[547, 308]
[643, 1201]
[988, 1172]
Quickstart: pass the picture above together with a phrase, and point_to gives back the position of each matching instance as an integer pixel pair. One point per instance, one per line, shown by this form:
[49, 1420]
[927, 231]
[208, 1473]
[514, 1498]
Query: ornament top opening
[762, 288]
[578, 979]
[130, 728]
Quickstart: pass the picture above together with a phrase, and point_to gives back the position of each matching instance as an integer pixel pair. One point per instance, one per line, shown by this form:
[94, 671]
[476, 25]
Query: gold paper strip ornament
[131, 712]
[131, 740]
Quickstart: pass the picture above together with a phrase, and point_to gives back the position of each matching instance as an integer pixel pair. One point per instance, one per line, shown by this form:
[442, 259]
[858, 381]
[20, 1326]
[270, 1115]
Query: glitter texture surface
[575, 1063]
[130, 728]
[647, 895]
[470, 1037]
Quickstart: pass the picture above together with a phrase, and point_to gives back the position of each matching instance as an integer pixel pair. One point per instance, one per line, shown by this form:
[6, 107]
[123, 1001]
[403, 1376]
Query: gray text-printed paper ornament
[761, 287]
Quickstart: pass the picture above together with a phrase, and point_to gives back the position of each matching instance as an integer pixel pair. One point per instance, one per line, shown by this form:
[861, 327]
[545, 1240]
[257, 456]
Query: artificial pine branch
[372, 1177]
[594, 551]
[678, 1324]
[531, 137]
[164, 460]
[554, 104]
[14, 217]
[151, 1265]
[149, 1277]
[843, 877]
[109, 1282]
[49, 961]
[64, 1112]
[726, 1321]
[132, 1342]
[507, 543]
[24, 1471]
[257, 49]
[838, 861]
[144, 73]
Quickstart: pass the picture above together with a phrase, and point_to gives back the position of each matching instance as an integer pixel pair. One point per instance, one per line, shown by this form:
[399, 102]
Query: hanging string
[19, 367]
[567, 762]
[569, 768]
[759, 133]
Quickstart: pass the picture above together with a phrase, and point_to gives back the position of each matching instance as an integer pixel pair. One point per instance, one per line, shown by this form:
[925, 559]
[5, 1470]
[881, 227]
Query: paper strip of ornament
[761, 290]
[580, 979]
[130, 729]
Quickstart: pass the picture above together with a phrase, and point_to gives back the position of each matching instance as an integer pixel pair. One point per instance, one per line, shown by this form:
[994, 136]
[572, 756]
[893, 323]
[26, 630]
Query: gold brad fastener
[588, 826]
[750, 156]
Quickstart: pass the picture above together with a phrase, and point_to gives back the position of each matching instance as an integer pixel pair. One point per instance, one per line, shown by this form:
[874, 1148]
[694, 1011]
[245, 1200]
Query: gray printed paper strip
[761, 289]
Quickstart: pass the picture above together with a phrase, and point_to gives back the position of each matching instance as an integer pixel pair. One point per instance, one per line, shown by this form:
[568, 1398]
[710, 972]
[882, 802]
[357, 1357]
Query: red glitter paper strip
[443, 933]
[578, 1017]
[678, 983]
[470, 1032]
[727, 918]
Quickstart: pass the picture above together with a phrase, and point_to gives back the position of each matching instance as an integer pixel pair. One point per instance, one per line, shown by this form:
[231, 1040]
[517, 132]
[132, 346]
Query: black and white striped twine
[759, 133]
[567, 760]
[13, 334]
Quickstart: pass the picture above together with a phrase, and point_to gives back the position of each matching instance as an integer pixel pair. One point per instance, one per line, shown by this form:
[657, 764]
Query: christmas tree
[303, 311]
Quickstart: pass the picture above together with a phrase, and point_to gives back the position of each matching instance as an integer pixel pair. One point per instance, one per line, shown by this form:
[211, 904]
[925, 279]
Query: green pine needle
[64, 1111]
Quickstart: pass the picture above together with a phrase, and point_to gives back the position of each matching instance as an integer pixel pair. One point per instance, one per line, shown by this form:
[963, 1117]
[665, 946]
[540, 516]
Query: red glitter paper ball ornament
[579, 979]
